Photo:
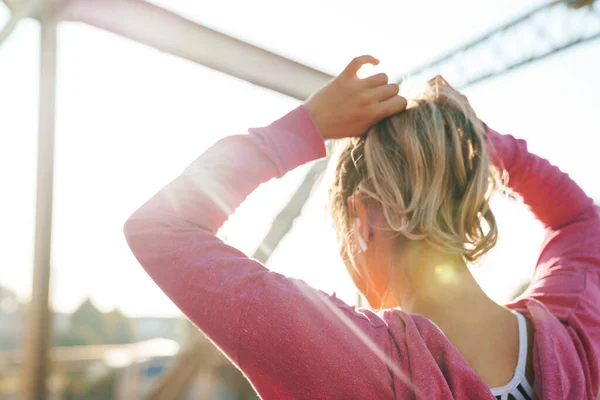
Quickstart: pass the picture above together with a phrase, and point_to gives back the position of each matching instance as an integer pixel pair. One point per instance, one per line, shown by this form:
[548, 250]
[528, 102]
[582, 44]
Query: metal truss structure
[541, 33]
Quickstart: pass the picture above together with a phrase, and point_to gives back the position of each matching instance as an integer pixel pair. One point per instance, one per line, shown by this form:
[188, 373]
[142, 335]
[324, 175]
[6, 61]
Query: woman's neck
[484, 333]
[443, 289]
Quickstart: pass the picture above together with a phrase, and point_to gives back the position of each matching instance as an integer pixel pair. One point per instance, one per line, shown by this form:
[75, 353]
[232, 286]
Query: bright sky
[129, 119]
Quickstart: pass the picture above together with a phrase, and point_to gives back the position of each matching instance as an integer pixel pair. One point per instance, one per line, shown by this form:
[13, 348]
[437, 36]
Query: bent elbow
[137, 232]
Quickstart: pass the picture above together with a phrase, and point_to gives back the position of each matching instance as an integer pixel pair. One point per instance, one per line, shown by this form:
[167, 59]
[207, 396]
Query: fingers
[384, 92]
[391, 106]
[439, 80]
[440, 87]
[351, 69]
[444, 90]
[374, 81]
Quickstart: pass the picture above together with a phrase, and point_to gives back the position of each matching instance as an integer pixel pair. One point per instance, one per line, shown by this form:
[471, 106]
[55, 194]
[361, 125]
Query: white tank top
[518, 388]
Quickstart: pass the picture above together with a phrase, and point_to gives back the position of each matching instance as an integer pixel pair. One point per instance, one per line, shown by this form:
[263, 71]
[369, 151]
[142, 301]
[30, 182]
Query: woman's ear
[362, 229]
[362, 244]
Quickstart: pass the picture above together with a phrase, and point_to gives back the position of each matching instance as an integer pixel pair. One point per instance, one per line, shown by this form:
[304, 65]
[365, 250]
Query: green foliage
[89, 317]
[6, 294]
[89, 326]
[81, 387]
[118, 327]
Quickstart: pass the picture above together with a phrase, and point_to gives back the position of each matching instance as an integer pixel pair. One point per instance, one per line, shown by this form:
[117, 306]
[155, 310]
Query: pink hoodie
[294, 342]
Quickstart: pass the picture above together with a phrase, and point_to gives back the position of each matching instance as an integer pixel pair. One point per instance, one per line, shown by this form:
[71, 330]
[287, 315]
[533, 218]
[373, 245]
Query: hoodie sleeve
[567, 276]
[173, 234]
[290, 340]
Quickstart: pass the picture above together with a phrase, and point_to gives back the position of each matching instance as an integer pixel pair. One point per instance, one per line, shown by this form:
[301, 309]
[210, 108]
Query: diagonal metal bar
[173, 34]
[19, 10]
[198, 355]
[13, 5]
[285, 219]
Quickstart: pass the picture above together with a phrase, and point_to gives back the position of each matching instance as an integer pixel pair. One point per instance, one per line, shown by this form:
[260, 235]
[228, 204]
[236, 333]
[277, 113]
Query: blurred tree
[9, 303]
[80, 387]
[87, 315]
[90, 326]
[86, 327]
[10, 319]
[118, 328]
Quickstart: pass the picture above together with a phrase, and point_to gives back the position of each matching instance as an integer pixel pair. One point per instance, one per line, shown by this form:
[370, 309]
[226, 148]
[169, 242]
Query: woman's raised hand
[348, 106]
[444, 90]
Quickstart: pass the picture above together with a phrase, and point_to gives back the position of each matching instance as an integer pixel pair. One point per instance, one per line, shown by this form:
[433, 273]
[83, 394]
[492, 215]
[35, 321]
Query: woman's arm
[567, 276]
[553, 197]
[278, 330]
[173, 234]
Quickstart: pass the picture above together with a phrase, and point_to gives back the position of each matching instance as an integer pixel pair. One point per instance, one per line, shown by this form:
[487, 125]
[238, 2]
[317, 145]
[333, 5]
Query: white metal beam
[34, 8]
[19, 9]
[171, 33]
[38, 328]
[12, 4]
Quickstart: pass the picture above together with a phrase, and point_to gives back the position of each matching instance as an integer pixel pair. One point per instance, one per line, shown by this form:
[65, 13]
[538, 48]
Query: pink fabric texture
[294, 342]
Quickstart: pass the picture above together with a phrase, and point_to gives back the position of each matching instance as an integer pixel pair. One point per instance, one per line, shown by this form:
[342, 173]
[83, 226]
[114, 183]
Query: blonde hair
[429, 172]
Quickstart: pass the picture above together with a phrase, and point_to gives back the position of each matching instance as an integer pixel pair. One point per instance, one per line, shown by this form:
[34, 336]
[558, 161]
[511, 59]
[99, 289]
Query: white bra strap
[522, 362]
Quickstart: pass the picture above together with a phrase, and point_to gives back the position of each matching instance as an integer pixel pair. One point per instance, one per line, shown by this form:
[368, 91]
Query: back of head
[427, 169]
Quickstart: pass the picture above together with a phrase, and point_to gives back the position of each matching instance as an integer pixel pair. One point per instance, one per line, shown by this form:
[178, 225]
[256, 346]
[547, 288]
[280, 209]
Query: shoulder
[561, 349]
